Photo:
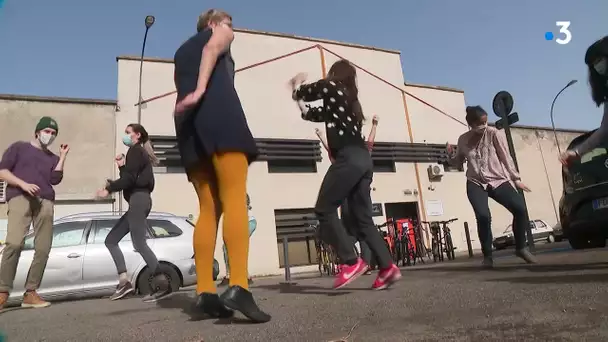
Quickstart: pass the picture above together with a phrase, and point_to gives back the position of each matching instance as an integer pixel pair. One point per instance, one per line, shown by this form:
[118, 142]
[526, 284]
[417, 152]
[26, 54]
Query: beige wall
[87, 126]
[272, 114]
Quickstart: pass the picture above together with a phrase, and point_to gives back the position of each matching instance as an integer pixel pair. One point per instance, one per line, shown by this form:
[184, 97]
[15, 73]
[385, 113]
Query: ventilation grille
[3, 186]
[295, 223]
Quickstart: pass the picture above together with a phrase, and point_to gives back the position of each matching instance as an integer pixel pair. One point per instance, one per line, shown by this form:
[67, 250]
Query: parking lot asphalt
[560, 299]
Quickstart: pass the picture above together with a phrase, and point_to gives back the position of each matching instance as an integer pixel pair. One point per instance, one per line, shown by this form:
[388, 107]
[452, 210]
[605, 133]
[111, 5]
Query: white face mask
[601, 67]
[46, 138]
[480, 129]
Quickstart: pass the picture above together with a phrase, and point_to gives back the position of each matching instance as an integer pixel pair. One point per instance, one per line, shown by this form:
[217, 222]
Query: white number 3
[563, 28]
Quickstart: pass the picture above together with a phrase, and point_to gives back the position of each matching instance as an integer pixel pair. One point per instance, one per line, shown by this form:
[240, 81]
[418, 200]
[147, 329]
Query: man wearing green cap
[31, 171]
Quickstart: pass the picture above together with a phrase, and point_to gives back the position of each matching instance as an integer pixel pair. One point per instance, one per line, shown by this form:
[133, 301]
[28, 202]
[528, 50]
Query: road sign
[502, 104]
[512, 118]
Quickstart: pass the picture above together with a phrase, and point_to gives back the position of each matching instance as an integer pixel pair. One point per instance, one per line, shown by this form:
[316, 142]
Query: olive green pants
[22, 212]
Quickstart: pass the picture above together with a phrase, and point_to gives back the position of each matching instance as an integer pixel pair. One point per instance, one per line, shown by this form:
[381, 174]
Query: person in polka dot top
[365, 252]
[350, 175]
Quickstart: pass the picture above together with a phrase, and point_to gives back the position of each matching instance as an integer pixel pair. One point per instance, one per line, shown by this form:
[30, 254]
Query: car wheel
[551, 238]
[585, 242]
[146, 284]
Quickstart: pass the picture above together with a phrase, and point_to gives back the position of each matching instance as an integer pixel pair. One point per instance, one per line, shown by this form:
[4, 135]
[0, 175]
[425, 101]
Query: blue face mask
[126, 139]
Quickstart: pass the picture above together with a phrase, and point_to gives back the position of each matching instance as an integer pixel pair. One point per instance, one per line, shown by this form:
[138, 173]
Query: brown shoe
[31, 299]
[3, 299]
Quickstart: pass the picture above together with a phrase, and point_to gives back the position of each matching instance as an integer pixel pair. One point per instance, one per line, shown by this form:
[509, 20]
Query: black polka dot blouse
[343, 129]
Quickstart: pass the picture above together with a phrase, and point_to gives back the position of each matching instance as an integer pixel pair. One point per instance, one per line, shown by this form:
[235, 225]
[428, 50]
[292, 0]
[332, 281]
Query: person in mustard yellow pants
[216, 148]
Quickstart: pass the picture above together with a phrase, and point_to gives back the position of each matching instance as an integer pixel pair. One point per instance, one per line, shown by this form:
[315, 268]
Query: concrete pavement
[561, 299]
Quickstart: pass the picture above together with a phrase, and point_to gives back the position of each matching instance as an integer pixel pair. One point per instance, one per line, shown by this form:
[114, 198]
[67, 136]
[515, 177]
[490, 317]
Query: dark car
[583, 208]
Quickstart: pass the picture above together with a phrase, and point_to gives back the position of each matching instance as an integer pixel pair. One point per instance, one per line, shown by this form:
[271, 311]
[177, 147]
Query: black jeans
[349, 178]
[508, 197]
[347, 220]
[134, 221]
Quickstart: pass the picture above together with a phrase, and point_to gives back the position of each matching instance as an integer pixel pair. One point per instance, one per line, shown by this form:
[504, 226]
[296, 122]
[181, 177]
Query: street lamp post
[551, 113]
[149, 22]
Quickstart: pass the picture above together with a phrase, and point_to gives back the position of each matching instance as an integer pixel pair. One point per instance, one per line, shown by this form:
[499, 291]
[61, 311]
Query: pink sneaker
[387, 277]
[348, 273]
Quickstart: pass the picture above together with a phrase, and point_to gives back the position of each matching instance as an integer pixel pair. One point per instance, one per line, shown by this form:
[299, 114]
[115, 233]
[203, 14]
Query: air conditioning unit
[3, 185]
[435, 171]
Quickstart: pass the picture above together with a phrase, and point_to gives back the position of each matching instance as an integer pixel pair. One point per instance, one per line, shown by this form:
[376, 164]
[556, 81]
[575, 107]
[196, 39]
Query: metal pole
[141, 70]
[468, 236]
[286, 261]
[551, 113]
[507, 129]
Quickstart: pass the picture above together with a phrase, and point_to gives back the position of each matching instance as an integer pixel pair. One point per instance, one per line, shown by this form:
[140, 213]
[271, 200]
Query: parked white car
[80, 265]
[541, 231]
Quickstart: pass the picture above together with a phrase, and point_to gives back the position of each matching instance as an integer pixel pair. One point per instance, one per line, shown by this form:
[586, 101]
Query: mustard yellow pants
[221, 187]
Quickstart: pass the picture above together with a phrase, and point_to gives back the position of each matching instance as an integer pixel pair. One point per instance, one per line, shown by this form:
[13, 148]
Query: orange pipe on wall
[323, 66]
[416, 170]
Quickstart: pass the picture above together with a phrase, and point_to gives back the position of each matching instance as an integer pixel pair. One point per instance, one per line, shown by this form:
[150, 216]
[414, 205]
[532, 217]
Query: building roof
[417, 85]
[32, 98]
[545, 128]
[272, 34]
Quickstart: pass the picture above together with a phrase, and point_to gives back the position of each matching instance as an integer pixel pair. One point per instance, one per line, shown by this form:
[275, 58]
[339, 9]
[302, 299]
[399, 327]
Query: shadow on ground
[294, 288]
[187, 303]
[510, 268]
[557, 279]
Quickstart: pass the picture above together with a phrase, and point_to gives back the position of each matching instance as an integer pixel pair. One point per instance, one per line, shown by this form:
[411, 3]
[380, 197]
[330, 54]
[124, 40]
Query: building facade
[87, 126]
[415, 123]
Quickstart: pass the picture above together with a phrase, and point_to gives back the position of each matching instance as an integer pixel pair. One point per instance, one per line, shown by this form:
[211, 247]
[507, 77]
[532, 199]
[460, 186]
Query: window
[292, 166]
[102, 228]
[594, 154]
[289, 155]
[400, 152]
[282, 155]
[540, 224]
[64, 235]
[384, 166]
[164, 228]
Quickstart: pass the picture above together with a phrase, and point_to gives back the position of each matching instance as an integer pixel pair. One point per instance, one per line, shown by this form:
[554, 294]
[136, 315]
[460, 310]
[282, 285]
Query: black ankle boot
[210, 304]
[239, 299]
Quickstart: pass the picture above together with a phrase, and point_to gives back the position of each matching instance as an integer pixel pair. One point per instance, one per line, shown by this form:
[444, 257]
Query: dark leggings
[508, 197]
[133, 221]
[349, 178]
[347, 220]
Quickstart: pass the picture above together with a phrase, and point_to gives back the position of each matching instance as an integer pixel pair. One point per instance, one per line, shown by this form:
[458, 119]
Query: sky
[68, 48]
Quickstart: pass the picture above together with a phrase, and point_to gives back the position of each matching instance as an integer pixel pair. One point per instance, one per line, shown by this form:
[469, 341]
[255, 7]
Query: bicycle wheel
[320, 261]
[407, 260]
[440, 247]
[334, 262]
[449, 246]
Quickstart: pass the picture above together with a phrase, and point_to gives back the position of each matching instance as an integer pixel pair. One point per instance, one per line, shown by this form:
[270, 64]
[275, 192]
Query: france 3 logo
[564, 35]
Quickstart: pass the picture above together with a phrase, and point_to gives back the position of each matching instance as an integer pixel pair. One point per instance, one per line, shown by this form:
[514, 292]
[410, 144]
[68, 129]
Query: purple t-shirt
[32, 165]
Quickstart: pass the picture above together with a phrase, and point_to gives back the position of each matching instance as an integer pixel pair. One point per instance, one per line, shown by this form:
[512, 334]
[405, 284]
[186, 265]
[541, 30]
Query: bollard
[286, 261]
[468, 235]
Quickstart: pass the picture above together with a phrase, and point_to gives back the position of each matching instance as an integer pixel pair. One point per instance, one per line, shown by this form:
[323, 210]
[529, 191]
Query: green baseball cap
[47, 122]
